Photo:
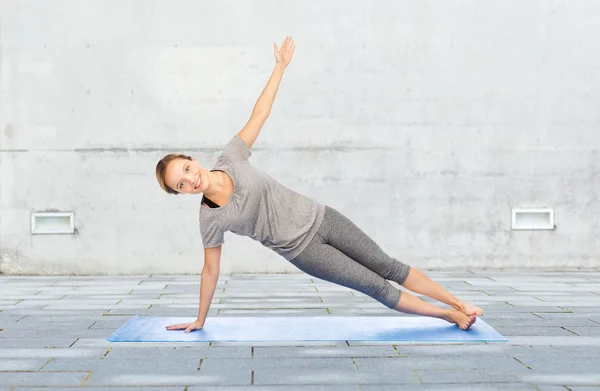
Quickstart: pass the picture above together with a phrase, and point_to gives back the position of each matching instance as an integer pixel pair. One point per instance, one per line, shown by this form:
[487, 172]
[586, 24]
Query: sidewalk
[53, 334]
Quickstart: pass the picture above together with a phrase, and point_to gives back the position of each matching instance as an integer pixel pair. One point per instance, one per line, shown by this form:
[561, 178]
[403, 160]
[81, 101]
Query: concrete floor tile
[562, 377]
[345, 387]
[468, 376]
[454, 387]
[168, 351]
[18, 353]
[21, 364]
[40, 379]
[131, 365]
[122, 379]
[180, 388]
[585, 331]
[25, 342]
[325, 352]
[518, 331]
[505, 365]
[325, 376]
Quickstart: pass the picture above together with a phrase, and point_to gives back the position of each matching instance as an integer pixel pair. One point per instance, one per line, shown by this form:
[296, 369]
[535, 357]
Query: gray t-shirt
[260, 208]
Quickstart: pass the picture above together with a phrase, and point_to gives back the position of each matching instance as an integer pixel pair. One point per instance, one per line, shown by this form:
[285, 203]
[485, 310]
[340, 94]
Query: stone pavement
[53, 334]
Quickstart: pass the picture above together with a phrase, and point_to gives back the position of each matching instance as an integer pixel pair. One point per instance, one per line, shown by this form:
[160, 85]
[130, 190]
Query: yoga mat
[292, 329]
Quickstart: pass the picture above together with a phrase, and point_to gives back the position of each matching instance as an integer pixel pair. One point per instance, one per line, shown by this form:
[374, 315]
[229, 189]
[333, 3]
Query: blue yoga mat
[292, 329]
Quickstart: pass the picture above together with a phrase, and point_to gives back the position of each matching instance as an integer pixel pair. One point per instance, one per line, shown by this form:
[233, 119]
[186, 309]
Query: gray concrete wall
[426, 122]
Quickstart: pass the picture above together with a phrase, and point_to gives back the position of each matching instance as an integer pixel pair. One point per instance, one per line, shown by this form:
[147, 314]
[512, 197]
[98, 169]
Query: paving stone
[41, 379]
[585, 331]
[568, 288]
[168, 351]
[15, 310]
[41, 311]
[283, 294]
[149, 364]
[77, 307]
[113, 322]
[189, 307]
[77, 303]
[28, 326]
[391, 365]
[380, 312]
[280, 300]
[517, 308]
[325, 352]
[258, 306]
[555, 341]
[454, 387]
[570, 315]
[42, 332]
[558, 294]
[562, 377]
[551, 388]
[168, 312]
[583, 365]
[12, 364]
[503, 298]
[51, 352]
[119, 297]
[509, 331]
[273, 364]
[279, 312]
[467, 350]
[6, 320]
[180, 388]
[102, 342]
[167, 379]
[387, 343]
[464, 376]
[538, 322]
[572, 298]
[345, 387]
[558, 353]
[279, 343]
[50, 318]
[347, 312]
[489, 316]
[20, 342]
[326, 376]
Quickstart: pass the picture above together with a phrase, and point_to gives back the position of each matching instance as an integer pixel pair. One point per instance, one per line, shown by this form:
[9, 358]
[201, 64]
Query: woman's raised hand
[283, 55]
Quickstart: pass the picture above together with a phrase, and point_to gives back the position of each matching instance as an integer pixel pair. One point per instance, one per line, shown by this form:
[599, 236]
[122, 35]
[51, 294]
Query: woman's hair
[161, 169]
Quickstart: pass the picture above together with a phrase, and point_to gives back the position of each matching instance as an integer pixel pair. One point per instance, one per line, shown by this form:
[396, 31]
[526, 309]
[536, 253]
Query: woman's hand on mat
[283, 55]
[196, 325]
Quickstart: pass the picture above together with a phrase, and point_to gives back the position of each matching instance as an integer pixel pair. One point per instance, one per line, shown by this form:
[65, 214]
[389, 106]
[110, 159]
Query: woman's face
[186, 176]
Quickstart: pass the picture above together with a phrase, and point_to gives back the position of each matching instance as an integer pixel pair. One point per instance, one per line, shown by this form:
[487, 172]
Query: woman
[315, 238]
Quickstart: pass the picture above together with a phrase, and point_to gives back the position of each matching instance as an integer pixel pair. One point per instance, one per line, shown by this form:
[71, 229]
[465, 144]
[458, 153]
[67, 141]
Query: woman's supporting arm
[208, 281]
[208, 284]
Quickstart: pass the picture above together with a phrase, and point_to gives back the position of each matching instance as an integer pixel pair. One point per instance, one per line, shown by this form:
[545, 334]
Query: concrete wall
[425, 122]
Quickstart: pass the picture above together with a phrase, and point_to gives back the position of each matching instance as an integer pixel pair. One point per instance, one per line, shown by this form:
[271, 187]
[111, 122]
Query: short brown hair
[161, 169]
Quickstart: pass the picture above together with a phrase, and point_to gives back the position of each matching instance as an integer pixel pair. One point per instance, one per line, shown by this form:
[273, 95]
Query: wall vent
[532, 218]
[52, 223]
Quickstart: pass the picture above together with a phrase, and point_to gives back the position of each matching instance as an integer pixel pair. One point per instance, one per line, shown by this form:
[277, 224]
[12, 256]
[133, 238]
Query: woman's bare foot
[469, 309]
[463, 321]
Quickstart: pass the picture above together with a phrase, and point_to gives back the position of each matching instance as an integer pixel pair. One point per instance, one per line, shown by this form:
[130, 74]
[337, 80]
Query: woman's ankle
[458, 305]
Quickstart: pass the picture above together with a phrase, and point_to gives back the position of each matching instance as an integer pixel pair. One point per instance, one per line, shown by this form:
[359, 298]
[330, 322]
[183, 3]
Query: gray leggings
[343, 254]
